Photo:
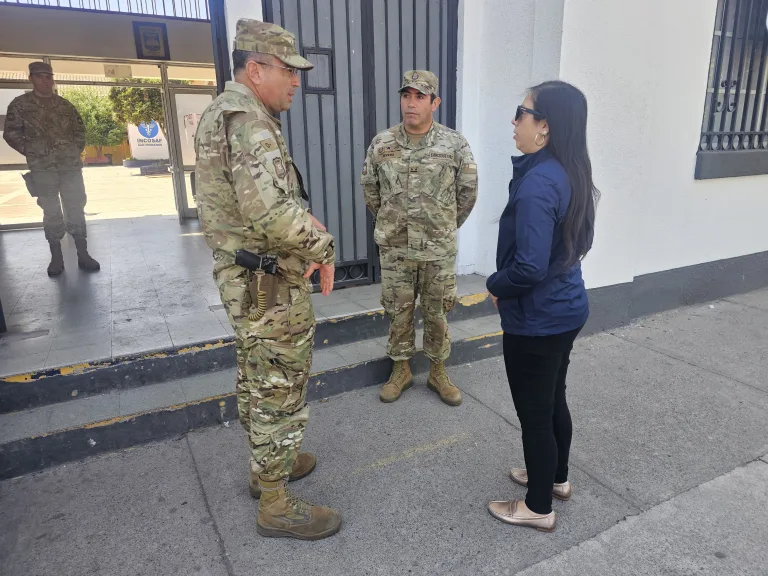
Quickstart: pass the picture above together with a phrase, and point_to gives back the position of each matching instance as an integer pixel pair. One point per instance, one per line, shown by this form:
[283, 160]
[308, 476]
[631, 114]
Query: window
[319, 80]
[734, 135]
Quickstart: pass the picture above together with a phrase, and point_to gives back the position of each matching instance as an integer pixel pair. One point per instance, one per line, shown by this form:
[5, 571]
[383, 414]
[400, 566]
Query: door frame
[178, 169]
[166, 88]
[221, 66]
[18, 85]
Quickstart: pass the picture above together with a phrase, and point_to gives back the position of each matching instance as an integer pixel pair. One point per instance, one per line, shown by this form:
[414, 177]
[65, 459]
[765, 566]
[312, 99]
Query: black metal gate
[360, 49]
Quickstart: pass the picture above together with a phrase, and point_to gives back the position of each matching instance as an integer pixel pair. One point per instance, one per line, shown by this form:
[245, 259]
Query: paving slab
[150, 397]
[79, 354]
[323, 360]
[138, 344]
[412, 480]
[195, 327]
[133, 512]
[757, 299]
[84, 411]
[16, 345]
[75, 337]
[713, 529]
[727, 338]
[22, 364]
[26, 423]
[648, 426]
[208, 384]
[362, 351]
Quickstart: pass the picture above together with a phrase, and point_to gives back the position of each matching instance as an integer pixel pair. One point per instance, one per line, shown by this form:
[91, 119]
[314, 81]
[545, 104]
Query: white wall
[7, 154]
[504, 48]
[606, 53]
[76, 33]
[643, 67]
[236, 9]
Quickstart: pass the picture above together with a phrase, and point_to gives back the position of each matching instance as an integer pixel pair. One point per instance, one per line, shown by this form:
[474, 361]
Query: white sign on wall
[147, 141]
[118, 71]
[7, 154]
[189, 108]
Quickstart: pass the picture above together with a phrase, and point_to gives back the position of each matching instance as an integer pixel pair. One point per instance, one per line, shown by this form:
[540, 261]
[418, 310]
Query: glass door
[186, 106]
[18, 209]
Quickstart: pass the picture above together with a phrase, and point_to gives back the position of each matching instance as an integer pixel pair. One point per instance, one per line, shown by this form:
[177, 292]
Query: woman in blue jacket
[545, 230]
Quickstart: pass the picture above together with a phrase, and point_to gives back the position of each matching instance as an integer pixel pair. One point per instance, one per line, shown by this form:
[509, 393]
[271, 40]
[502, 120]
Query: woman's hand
[495, 300]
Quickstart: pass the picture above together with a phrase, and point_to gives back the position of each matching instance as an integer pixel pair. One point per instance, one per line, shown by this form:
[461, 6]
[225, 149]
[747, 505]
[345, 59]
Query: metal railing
[187, 9]
[736, 111]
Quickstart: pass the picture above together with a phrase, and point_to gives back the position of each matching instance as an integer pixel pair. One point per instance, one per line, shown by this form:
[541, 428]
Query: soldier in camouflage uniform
[420, 182]
[249, 197]
[49, 132]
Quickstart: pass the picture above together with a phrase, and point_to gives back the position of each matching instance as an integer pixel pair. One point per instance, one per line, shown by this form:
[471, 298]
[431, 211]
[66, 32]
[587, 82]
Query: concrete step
[120, 418]
[66, 383]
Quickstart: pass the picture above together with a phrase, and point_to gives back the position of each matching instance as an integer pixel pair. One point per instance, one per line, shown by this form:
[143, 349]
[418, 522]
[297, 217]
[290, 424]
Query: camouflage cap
[422, 80]
[40, 67]
[266, 38]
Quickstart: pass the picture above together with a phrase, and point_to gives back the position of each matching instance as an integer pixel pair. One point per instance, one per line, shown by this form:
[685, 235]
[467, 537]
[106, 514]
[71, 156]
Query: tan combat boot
[400, 380]
[284, 515]
[303, 466]
[439, 382]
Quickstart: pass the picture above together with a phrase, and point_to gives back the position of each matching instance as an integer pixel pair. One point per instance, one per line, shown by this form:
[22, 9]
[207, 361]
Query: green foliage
[136, 105]
[95, 108]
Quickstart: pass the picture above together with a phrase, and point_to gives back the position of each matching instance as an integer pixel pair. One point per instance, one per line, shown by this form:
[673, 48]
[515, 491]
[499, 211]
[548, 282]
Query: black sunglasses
[523, 110]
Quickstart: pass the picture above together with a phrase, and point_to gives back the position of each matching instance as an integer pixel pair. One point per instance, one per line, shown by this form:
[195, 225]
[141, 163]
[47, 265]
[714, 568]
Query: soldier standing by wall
[265, 246]
[420, 182]
[49, 132]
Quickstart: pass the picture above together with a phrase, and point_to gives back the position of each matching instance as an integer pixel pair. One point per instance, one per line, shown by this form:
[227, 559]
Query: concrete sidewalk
[669, 465]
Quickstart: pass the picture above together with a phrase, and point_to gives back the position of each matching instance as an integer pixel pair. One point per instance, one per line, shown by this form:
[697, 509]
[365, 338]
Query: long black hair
[565, 108]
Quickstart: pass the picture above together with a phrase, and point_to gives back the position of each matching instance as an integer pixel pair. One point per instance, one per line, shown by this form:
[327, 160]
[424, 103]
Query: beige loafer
[515, 512]
[562, 491]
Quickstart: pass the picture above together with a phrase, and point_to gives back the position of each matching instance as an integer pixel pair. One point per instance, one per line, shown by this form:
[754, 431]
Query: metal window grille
[736, 109]
[186, 9]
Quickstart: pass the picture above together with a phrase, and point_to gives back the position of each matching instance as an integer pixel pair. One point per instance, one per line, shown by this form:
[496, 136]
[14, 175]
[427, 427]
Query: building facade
[664, 238]
[683, 176]
[678, 120]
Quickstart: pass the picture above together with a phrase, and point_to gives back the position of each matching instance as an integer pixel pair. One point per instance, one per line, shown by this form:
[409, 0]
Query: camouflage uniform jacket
[248, 195]
[420, 193]
[48, 131]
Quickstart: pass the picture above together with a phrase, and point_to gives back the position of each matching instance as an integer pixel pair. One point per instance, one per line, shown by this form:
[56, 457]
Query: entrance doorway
[360, 49]
[147, 172]
[186, 106]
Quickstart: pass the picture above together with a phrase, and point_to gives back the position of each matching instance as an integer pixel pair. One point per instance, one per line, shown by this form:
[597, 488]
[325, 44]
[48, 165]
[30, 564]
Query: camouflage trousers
[434, 283]
[274, 356]
[62, 197]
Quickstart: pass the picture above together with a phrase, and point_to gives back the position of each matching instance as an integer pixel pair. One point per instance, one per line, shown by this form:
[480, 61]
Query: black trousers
[536, 369]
